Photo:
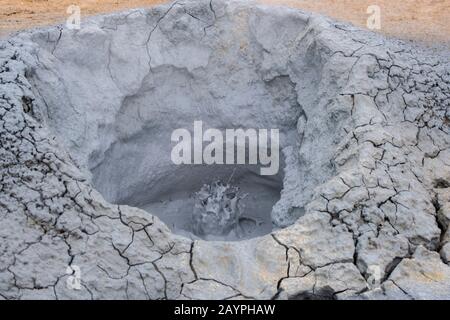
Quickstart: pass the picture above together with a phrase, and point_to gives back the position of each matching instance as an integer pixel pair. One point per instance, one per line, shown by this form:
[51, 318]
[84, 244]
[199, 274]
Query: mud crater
[115, 90]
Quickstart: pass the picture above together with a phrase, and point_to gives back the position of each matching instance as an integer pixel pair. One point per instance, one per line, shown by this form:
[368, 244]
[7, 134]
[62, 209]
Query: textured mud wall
[365, 148]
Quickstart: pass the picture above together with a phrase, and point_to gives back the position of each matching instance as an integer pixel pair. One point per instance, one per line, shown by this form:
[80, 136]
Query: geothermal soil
[85, 121]
[422, 20]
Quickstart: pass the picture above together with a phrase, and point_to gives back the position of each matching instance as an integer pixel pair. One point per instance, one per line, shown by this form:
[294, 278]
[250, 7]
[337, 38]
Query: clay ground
[423, 20]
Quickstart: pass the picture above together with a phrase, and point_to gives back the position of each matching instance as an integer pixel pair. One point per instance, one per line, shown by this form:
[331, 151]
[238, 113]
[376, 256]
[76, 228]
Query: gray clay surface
[85, 123]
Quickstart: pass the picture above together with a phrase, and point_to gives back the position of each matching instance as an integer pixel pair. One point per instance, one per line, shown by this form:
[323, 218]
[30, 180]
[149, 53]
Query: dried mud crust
[385, 206]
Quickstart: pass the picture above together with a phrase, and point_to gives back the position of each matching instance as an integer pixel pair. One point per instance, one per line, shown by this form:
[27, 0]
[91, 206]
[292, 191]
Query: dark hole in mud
[441, 184]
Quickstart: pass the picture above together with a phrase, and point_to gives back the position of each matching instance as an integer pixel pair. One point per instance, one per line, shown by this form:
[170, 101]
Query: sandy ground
[22, 14]
[423, 20]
